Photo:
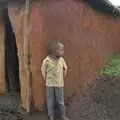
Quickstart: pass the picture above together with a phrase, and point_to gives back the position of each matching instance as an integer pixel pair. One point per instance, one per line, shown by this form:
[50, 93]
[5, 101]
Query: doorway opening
[11, 57]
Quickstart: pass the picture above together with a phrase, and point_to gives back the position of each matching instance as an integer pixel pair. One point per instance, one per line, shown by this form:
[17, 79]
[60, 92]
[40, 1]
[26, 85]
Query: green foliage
[112, 68]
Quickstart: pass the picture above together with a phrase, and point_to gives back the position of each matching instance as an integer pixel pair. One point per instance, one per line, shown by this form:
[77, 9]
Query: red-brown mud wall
[90, 38]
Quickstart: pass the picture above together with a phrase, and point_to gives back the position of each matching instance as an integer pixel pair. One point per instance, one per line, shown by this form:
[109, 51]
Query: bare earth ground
[9, 109]
[36, 116]
[100, 102]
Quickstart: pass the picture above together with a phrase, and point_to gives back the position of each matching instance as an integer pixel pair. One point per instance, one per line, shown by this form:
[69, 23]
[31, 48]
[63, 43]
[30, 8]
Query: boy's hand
[64, 72]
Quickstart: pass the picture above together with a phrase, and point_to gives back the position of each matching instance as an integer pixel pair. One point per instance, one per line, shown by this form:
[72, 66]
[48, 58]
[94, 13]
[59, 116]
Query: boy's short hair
[52, 46]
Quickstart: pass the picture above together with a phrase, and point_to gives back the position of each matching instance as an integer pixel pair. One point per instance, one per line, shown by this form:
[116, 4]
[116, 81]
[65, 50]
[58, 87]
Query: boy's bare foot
[51, 118]
[65, 118]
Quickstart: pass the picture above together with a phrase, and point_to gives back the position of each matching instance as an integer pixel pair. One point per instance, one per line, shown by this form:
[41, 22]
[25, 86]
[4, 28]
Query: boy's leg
[59, 93]
[50, 101]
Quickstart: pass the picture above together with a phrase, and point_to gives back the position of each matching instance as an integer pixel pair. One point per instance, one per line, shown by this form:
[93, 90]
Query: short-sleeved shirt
[53, 71]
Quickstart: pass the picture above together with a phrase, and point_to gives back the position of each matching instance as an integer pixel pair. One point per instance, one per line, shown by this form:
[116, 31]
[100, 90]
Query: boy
[54, 69]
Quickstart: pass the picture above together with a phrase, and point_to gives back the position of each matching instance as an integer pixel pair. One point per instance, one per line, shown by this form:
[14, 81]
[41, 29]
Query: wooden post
[2, 54]
[27, 55]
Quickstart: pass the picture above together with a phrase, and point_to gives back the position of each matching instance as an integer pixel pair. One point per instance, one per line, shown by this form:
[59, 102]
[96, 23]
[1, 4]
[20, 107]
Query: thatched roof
[101, 5]
[104, 6]
[4, 3]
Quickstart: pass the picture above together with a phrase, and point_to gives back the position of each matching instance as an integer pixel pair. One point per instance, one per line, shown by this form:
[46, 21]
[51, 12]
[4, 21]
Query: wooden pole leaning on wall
[27, 56]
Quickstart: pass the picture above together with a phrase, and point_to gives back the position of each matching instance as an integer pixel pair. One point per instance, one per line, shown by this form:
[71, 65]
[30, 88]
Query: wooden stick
[26, 54]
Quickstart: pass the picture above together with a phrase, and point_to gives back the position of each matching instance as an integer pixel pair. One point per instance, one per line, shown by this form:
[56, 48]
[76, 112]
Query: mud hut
[90, 38]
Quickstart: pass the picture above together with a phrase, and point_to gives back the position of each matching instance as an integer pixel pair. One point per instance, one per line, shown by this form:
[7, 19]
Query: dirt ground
[36, 116]
[100, 102]
[9, 106]
[10, 110]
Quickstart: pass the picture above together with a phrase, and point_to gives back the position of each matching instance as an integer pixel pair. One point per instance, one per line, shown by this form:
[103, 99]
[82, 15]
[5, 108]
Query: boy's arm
[44, 69]
[65, 68]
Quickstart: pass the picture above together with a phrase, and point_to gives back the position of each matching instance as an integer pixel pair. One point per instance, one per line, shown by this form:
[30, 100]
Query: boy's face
[60, 50]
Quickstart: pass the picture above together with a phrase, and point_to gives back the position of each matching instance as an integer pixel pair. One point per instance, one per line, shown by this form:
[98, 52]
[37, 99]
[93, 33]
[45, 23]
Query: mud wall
[90, 38]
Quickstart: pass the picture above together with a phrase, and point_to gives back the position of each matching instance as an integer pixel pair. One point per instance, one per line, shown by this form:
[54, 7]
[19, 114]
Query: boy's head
[56, 48]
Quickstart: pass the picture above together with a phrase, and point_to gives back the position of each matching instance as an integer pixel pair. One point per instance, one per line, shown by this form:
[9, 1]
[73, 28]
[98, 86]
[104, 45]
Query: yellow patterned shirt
[53, 71]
